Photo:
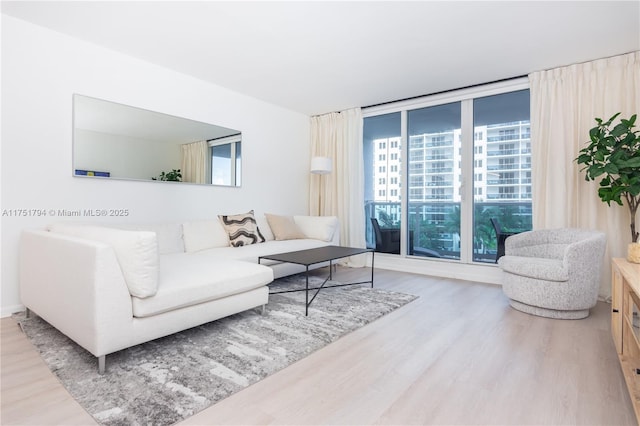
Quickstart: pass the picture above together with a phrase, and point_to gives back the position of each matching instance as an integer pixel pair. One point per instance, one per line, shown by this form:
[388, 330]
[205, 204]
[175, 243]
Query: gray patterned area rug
[166, 380]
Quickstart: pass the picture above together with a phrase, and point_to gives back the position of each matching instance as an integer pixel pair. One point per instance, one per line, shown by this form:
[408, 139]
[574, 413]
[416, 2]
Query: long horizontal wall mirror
[116, 141]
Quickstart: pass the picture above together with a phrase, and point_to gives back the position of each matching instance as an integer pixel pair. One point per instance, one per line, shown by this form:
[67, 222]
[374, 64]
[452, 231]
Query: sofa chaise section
[77, 286]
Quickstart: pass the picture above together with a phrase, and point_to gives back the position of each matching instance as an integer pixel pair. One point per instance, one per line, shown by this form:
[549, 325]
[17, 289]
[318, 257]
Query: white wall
[41, 70]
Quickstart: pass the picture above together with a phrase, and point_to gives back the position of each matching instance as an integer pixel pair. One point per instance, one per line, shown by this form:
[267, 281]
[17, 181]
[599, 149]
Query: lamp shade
[321, 165]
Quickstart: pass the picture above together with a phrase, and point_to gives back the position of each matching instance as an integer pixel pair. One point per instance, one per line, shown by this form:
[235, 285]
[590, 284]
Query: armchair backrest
[548, 243]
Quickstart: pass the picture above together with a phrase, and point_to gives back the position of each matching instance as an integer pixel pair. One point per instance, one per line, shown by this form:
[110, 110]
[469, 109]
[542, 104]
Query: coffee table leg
[306, 308]
[372, 257]
[330, 270]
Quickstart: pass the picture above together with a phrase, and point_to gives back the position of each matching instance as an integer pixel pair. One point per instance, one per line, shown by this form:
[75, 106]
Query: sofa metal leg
[101, 364]
[27, 313]
[262, 309]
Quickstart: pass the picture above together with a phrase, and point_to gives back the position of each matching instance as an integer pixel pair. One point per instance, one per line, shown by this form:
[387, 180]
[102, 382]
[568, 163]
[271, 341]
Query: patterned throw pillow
[242, 229]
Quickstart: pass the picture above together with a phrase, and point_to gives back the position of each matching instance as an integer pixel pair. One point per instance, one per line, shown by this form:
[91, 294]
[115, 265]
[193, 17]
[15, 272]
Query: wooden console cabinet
[625, 323]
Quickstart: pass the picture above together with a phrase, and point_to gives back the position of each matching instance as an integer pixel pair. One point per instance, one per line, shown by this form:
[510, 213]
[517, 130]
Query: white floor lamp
[321, 166]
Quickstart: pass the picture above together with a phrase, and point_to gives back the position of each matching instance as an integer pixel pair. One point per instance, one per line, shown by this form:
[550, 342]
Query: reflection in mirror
[117, 141]
[225, 161]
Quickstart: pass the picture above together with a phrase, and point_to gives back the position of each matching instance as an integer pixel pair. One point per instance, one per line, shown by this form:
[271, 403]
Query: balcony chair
[501, 236]
[553, 273]
[387, 239]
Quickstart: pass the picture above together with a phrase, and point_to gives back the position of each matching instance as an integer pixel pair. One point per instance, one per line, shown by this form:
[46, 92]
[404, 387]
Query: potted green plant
[172, 176]
[613, 156]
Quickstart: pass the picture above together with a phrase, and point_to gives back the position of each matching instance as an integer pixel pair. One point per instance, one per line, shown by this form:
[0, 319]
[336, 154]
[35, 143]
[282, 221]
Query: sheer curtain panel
[194, 162]
[339, 137]
[564, 104]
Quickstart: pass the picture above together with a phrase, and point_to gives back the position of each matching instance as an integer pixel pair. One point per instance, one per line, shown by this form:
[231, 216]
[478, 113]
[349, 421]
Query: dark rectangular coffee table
[319, 255]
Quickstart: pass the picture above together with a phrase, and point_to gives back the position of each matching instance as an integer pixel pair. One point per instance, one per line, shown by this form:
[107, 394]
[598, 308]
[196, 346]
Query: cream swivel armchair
[554, 273]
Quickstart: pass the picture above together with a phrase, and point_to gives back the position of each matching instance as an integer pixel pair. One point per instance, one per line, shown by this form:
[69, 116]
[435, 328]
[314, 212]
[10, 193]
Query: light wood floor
[457, 355]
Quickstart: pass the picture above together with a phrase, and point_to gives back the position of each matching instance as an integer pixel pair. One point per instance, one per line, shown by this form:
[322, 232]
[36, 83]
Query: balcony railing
[439, 144]
[508, 196]
[433, 229]
[500, 152]
[443, 183]
[509, 124]
[440, 170]
[514, 181]
[502, 138]
[503, 167]
[440, 157]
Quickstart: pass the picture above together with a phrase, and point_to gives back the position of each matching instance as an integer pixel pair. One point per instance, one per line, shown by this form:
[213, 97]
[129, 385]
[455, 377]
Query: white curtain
[564, 104]
[339, 137]
[194, 162]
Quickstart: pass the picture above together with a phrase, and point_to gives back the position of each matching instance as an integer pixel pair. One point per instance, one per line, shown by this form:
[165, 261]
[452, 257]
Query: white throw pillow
[317, 227]
[169, 235]
[204, 234]
[264, 228]
[136, 251]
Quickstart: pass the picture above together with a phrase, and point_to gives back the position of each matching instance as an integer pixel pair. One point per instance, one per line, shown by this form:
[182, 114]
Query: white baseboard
[488, 274]
[8, 310]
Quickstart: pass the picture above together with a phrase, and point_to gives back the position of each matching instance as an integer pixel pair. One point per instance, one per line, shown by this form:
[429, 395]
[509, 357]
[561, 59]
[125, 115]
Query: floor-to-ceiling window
[383, 191]
[502, 169]
[434, 155]
[468, 160]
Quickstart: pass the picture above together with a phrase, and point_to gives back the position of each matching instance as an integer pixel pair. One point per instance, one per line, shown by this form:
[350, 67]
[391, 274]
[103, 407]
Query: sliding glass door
[383, 179]
[467, 161]
[502, 169]
[434, 155]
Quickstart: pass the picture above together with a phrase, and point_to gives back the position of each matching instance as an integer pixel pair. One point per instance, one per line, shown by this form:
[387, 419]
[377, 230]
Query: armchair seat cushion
[537, 268]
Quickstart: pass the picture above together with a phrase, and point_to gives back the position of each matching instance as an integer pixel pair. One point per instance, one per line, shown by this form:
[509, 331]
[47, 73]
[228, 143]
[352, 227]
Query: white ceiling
[322, 56]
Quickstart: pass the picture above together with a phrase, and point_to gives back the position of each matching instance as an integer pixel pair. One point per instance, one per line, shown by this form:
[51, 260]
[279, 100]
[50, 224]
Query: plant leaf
[633, 163]
[611, 168]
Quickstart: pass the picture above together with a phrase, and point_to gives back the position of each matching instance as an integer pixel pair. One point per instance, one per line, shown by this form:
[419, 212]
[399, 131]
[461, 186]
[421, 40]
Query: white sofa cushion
[189, 279]
[204, 234]
[136, 251]
[251, 252]
[317, 227]
[169, 235]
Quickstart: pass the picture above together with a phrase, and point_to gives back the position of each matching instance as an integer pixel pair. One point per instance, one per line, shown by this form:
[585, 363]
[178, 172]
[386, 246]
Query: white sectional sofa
[112, 287]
